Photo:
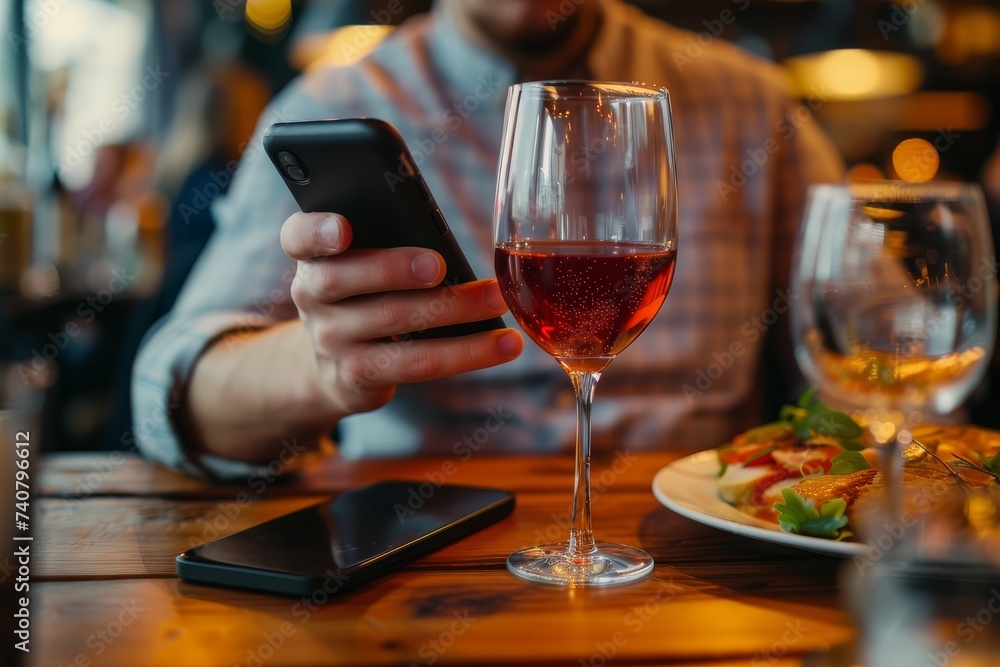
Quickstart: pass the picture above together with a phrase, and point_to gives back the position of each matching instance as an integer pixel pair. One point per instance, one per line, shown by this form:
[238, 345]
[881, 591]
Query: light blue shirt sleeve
[240, 283]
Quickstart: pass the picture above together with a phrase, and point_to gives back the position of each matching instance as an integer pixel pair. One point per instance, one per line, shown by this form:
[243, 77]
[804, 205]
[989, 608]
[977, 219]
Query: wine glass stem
[892, 471]
[581, 535]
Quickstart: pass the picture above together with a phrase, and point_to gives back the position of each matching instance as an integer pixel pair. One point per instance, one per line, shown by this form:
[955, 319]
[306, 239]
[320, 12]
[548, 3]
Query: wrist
[308, 399]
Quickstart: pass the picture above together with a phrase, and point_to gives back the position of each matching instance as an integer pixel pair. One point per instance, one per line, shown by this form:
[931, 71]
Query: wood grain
[118, 473]
[420, 617]
[128, 537]
[114, 473]
[105, 593]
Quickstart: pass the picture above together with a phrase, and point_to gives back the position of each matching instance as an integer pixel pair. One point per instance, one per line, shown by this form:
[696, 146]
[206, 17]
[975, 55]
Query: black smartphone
[361, 168]
[346, 541]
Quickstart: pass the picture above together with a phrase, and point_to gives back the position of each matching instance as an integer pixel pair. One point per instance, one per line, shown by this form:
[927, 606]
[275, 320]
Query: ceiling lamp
[854, 74]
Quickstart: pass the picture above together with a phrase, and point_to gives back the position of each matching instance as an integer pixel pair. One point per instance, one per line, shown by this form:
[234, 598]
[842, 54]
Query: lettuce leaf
[848, 462]
[798, 515]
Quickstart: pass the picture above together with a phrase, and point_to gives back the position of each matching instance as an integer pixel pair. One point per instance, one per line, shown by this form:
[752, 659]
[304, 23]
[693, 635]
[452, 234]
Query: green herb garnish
[798, 515]
[760, 454]
[987, 465]
[852, 445]
[848, 462]
[811, 417]
[772, 431]
[958, 478]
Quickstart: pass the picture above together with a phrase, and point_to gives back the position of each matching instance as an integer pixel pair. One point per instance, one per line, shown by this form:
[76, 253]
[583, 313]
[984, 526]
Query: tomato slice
[764, 483]
[807, 459]
[740, 454]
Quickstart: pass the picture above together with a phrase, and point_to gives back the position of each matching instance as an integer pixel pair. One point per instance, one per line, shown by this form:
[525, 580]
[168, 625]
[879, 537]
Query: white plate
[688, 486]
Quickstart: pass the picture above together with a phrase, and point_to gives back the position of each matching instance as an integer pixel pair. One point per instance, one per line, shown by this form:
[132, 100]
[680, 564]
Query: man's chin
[534, 33]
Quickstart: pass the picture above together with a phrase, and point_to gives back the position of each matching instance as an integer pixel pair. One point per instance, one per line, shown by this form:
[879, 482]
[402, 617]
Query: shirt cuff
[160, 379]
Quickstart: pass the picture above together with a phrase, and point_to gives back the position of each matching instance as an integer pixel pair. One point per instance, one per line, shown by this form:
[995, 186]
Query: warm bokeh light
[850, 72]
[864, 171]
[970, 32]
[855, 74]
[930, 111]
[269, 16]
[343, 46]
[151, 210]
[916, 160]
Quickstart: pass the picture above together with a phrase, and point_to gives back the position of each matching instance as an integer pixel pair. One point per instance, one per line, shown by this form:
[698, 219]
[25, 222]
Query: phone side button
[424, 190]
[439, 221]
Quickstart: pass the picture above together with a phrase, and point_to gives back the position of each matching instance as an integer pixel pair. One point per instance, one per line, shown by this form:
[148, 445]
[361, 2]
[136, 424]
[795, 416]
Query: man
[271, 343]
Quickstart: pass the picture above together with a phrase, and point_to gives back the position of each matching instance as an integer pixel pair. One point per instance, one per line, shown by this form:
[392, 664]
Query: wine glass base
[551, 564]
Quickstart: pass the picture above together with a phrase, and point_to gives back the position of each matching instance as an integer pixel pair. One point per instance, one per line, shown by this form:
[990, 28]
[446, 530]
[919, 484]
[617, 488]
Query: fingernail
[494, 298]
[509, 344]
[425, 267]
[329, 233]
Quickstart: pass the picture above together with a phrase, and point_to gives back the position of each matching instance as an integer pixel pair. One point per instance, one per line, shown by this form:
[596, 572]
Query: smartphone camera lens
[293, 168]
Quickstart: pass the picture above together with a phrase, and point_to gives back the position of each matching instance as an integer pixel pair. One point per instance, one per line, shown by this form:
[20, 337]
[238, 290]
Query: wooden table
[109, 526]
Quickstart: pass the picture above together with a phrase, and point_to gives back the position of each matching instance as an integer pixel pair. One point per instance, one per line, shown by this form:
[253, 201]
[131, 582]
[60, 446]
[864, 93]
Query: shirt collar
[463, 63]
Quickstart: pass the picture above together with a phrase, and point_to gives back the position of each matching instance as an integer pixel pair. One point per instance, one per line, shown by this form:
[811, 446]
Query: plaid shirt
[745, 151]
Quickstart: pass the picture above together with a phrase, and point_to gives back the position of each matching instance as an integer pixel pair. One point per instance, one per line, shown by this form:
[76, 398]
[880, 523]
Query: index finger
[310, 235]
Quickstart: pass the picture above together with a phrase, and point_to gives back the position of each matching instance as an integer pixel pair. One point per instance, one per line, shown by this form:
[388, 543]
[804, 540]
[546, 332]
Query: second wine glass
[585, 244]
[896, 304]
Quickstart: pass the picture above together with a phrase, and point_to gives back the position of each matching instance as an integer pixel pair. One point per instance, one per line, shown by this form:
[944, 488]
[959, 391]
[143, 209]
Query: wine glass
[585, 243]
[894, 289]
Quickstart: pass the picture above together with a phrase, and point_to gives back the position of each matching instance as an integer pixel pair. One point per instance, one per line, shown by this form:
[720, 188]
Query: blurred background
[121, 120]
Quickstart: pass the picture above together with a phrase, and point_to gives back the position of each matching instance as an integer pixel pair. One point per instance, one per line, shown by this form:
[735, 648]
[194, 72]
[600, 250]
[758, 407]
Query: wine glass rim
[891, 191]
[582, 89]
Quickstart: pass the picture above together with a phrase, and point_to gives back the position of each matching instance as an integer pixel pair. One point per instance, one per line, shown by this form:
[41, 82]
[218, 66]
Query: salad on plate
[815, 470]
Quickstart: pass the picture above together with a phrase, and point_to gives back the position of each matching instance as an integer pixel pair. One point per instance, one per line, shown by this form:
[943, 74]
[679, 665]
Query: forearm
[251, 394]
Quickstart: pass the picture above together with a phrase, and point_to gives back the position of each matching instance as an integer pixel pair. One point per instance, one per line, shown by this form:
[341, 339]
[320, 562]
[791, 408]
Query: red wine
[584, 299]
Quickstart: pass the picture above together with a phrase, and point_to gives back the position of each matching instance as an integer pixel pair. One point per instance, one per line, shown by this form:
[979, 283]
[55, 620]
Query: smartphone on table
[349, 540]
[362, 169]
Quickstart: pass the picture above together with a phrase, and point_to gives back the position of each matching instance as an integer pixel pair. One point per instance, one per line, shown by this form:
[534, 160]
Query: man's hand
[250, 394]
[353, 302]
